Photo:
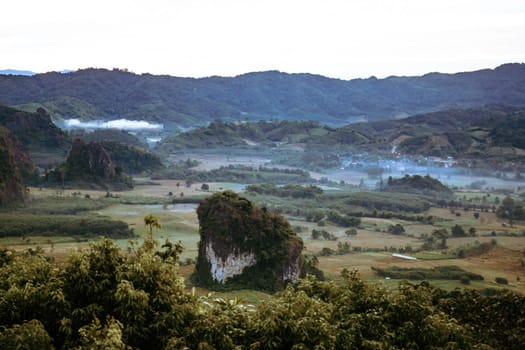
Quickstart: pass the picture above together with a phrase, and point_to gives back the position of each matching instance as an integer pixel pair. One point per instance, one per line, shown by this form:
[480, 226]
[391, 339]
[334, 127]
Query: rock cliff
[90, 165]
[12, 190]
[245, 245]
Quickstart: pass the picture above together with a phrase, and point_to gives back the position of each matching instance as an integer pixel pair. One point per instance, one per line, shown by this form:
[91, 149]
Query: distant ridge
[28, 72]
[17, 72]
[173, 101]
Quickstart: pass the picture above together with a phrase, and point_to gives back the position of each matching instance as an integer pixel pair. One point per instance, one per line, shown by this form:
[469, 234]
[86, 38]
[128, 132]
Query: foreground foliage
[105, 298]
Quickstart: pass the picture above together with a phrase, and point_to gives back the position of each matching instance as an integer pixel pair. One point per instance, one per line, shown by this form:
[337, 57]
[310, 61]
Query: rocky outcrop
[90, 165]
[243, 244]
[89, 160]
[12, 190]
[224, 267]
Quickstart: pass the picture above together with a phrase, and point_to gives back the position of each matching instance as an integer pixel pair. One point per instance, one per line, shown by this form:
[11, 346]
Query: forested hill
[99, 93]
[492, 133]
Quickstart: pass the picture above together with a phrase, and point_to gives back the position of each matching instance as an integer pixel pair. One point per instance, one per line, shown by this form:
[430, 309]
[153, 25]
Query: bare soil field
[500, 262]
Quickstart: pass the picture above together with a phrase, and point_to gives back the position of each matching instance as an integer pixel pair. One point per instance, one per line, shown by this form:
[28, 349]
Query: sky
[343, 39]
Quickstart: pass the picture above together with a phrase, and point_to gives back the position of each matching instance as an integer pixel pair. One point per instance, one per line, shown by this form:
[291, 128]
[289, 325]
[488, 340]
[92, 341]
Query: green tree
[31, 288]
[29, 335]
[458, 231]
[152, 221]
[396, 229]
[96, 336]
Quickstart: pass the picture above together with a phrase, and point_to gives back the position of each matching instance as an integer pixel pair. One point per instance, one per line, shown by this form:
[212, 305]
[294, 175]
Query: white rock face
[291, 272]
[233, 265]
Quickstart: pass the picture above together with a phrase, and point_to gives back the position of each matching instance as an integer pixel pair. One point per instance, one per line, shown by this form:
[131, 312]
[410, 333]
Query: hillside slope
[476, 135]
[46, 143]
[98, 93]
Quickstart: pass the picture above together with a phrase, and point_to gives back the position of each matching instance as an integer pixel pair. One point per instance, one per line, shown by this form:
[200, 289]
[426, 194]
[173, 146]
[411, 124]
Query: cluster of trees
[511, 209]
[417, 184]
[385, 201]
[438, 238]
[317, 234]
[396, 229]
[234, 173]
[21, 225]
[342, 219]
[106, 298]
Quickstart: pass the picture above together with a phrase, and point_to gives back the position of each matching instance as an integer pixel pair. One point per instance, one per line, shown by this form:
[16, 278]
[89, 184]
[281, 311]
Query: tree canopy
[104, 297]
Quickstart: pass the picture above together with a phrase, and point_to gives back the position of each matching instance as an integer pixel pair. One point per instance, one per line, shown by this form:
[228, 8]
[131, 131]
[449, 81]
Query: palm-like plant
[152, 221]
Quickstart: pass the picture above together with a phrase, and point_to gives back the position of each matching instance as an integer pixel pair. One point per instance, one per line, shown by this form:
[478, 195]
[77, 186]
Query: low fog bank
[149, 133]
[121, 124]
[368, 170]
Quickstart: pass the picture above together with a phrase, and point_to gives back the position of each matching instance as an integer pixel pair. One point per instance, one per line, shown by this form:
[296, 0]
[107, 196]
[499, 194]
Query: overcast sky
[337, 38]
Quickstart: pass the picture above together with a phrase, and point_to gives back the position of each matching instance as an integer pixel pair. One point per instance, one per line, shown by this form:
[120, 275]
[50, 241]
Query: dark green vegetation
[97, 93]
[511, 209]
[436, 273]
[294, 191]
[418, 184]
[61, 216]
[107, 298]
[233, 173]
[231, 226]
[26, 225]
[50, 205]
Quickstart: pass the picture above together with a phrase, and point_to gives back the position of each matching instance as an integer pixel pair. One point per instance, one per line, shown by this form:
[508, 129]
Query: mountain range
[185, 102]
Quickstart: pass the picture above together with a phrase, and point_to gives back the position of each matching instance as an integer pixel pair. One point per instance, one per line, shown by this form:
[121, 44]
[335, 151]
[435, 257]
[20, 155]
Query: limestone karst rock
[90, 165]
[244, 244]
[12, 189]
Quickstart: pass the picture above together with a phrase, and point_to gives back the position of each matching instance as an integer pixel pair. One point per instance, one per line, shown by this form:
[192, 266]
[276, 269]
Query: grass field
[179, 222]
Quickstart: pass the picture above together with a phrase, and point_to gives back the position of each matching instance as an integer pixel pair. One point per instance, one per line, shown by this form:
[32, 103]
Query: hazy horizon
[202, 38]
[29, 72]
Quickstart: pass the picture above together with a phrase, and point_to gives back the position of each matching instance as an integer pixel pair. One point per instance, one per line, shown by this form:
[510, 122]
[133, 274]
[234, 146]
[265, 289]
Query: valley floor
[371, 247]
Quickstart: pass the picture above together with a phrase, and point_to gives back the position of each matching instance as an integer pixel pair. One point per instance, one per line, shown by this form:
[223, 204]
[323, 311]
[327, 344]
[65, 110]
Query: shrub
[458, 231]
[464, 280]
[501, 280]
[396, 229]
[351, 232]
[326, 251]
